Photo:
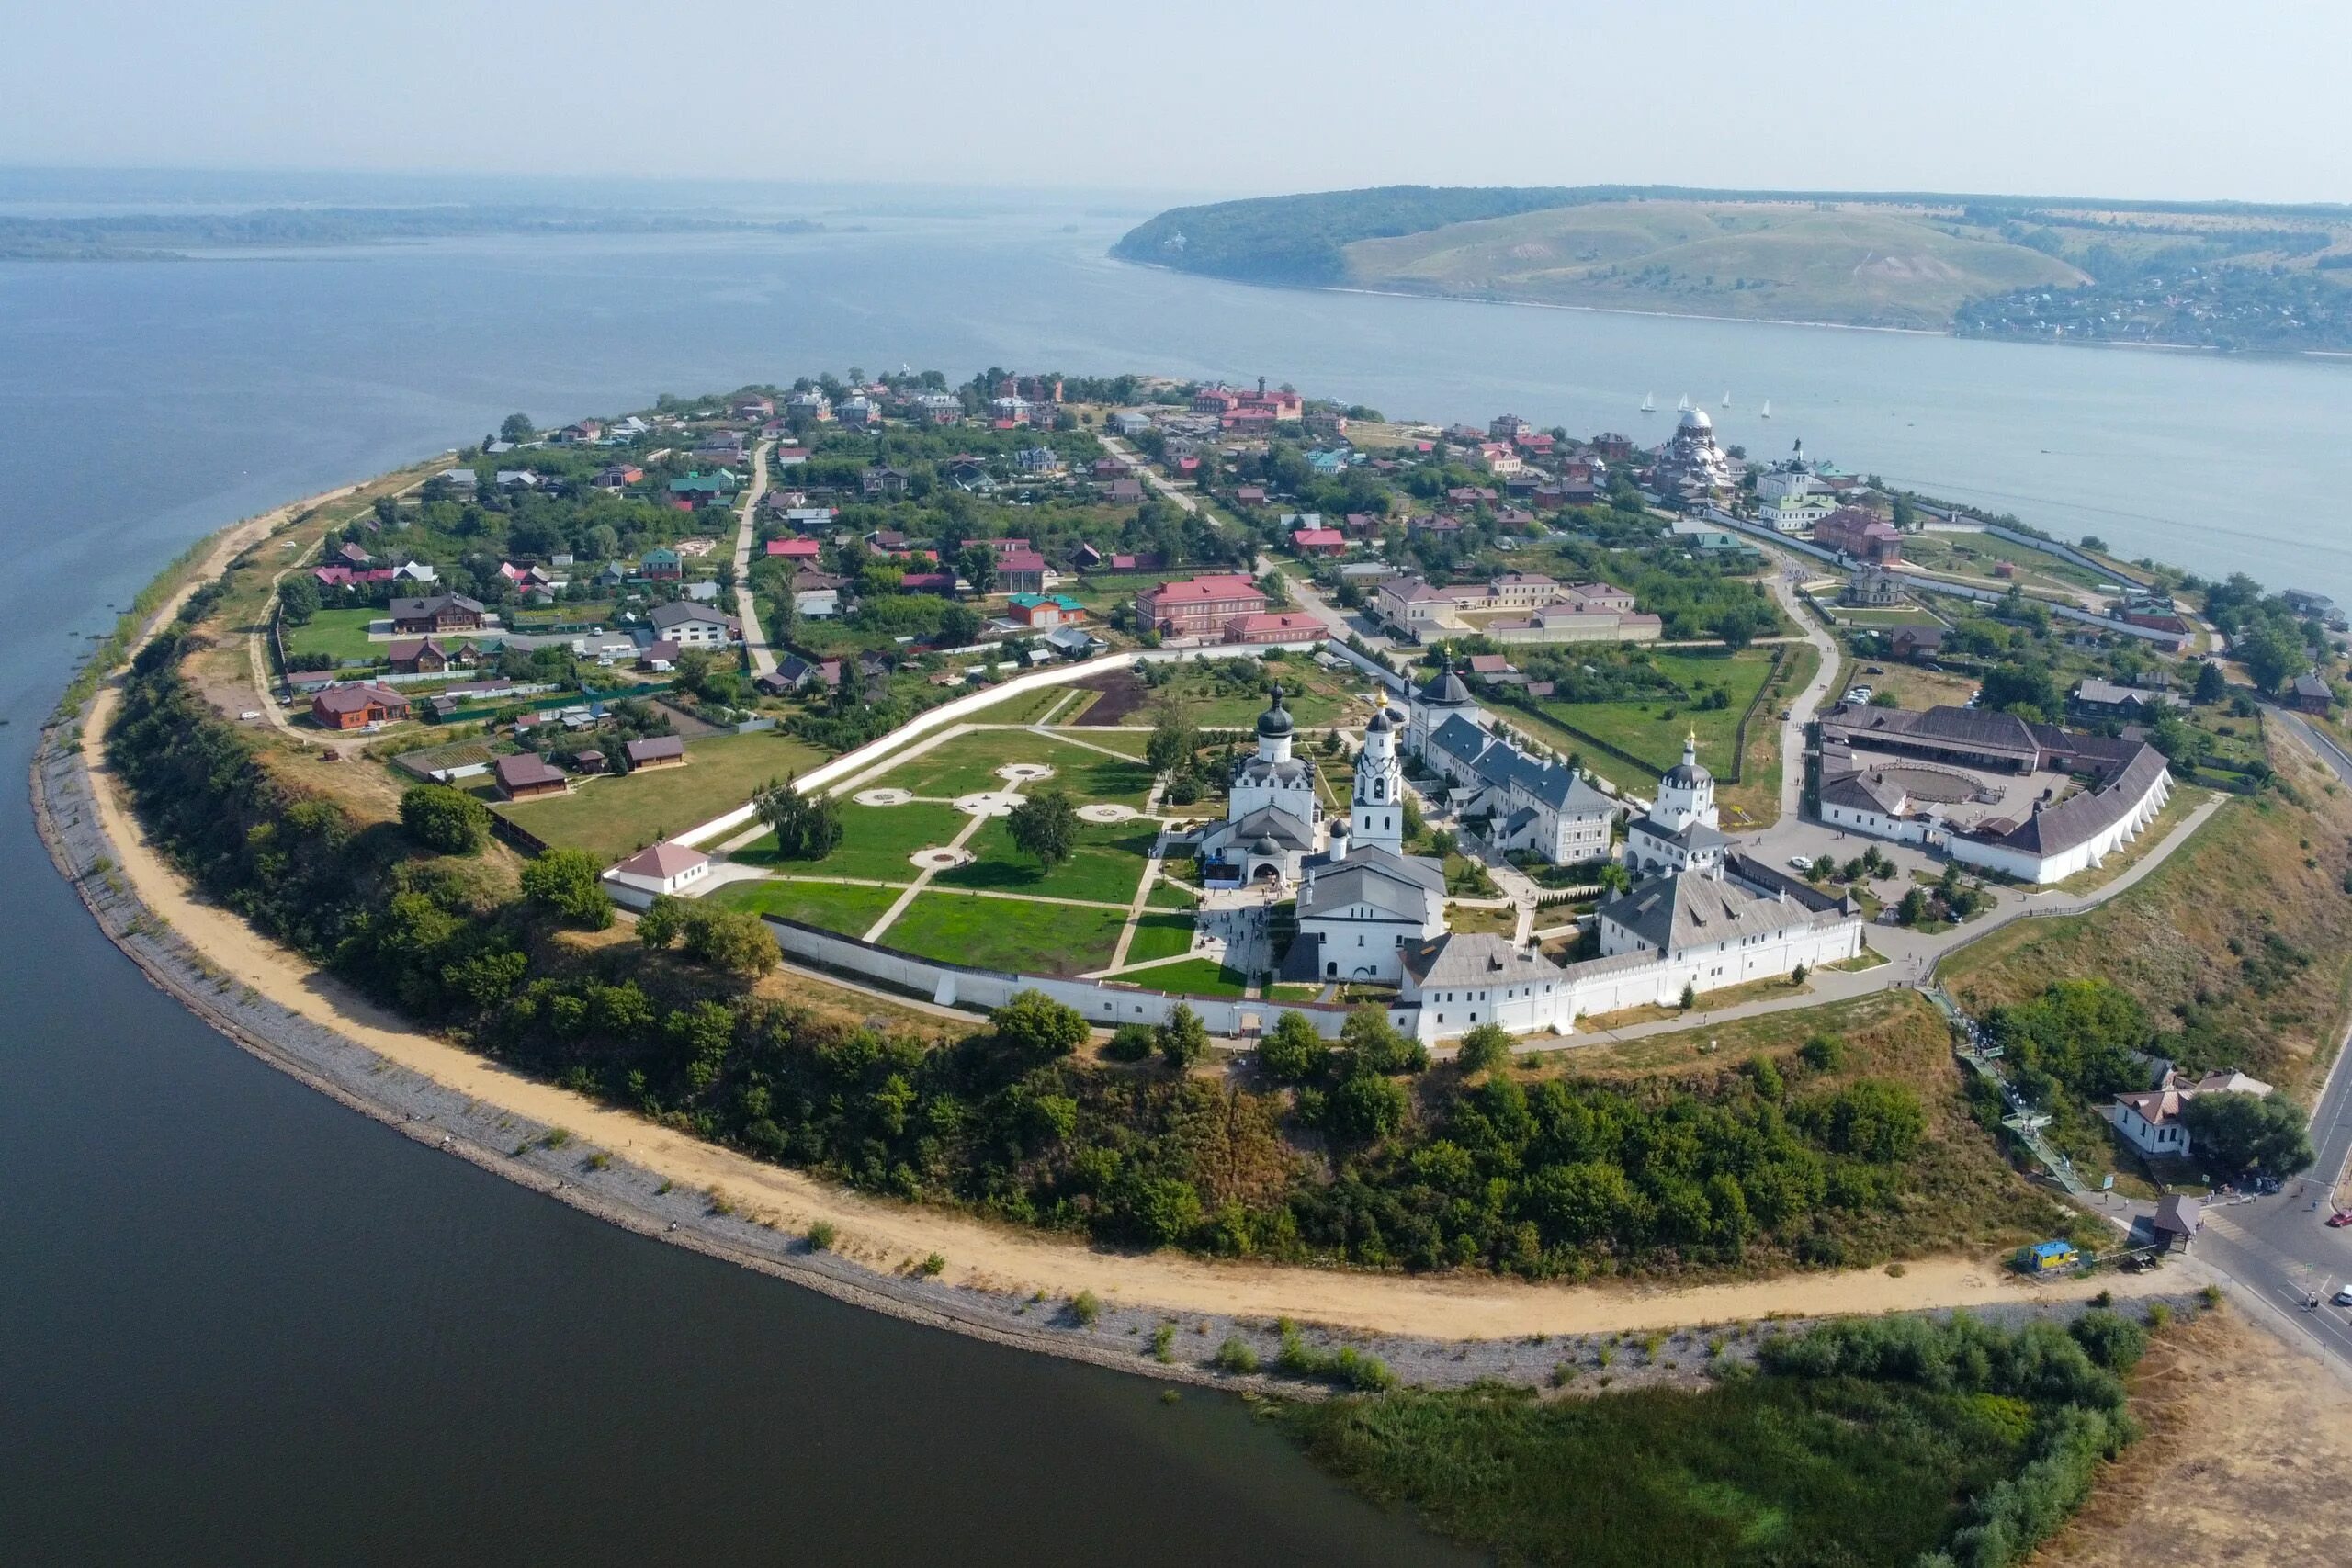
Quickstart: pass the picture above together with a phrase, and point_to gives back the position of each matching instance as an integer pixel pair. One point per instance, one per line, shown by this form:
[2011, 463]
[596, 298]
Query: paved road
[746, 610]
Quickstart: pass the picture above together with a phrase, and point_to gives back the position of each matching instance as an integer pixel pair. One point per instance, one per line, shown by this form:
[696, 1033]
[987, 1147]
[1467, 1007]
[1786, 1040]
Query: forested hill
[2225, 274]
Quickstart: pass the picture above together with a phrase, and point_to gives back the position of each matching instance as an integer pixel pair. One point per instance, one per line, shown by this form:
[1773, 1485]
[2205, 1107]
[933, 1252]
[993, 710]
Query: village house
[1854, 531]
[428, 656]
[1021, 571]
[523, 774]
[358, 707]
[691, 625]
[2152, 1120]
[1042, 611]
[436, 613]
[656, 752]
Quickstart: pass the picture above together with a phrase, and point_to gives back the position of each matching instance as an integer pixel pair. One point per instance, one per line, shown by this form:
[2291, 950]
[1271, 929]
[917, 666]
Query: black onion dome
[1275, 720]
[1445, 689]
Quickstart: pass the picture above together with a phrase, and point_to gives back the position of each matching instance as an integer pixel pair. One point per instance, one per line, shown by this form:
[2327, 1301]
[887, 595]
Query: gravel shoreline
[1142, 1339]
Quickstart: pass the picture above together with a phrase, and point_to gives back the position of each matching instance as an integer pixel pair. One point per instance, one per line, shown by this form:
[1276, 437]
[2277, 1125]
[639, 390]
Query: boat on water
[1766, 412]
[1727, 399]
[1684, 406]
[1649, 403]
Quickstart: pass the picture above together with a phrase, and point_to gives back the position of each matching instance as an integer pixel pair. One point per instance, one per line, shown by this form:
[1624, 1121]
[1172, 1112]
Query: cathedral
[1681, 832]
[1271, 821]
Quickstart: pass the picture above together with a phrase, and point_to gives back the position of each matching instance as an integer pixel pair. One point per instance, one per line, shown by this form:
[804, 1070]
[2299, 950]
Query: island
[1516, 947]
[2208, 274]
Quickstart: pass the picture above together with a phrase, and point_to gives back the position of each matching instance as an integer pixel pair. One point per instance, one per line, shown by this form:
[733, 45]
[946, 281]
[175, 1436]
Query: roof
[653, 748]
[679, 612]
[663, 861]
[358, 699]
[432, 604]
[1267, 823]
[1683, 909]
[1864, 790]
[1445, 688]
[525, 768]
[1400, 885]
[2177, 1213]
[1204, 589]
[1973, 729]
[1476, 958]
[2081, 817]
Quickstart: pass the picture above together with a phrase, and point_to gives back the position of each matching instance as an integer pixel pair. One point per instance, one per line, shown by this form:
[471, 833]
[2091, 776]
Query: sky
[2156, 98]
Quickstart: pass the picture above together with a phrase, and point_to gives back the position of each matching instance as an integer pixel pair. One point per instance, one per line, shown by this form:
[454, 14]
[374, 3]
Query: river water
[238, 1322]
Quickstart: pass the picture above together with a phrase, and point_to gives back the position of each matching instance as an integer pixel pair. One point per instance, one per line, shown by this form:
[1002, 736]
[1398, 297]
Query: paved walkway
[746, 610]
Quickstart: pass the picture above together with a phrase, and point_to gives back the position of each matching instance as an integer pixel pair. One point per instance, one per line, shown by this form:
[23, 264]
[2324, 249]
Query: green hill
[1862, 266]
[2226, 275]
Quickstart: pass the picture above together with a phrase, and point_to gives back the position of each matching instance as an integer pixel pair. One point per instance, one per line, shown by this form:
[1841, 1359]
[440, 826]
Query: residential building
[1020, 572]
[656, 752]
[524, 775]
[661, 564]
[1272, 626]
[663, 869]
[436, 613]
[427, 656]
[358, 707]
[1042, 611]
[692, 625]
[1199, 606]
[1854, 531]
[2154, 1121]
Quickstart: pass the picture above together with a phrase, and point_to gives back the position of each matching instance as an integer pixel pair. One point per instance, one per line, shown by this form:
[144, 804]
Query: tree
[1173, 740]
[1614, 878]
[518, 427]
[1484, 1048]
[663, 922]
[808, 824]
[2272, 655]
[1184, 1039]
[1295, 1052]
[977, 566]
[1914, 908]
[1690, 995]
[1038, 1028]
[2237, 1132]
[298, 598]
[2211, 684]
[1375, 1046]
[1412, 817]
[565, 883]
[734, 940]
[1046, 826]
[447, 820]
[1822, 869]
[1364, 1108]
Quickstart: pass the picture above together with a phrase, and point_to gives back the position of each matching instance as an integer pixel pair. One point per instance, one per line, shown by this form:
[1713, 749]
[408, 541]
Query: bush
[2111, 1341]
[567, 883]
[1130, 1043]
[1038, 1028]
[1346, 1367]
[734, 940]
[1822, 1054]
[1184, 1039]
[1084, 1308]
[931, 1266]
[1295, 1052]
[821, 1236]
[1235, 1356]
[448, 821]
[661, 922]
[1484, 1048]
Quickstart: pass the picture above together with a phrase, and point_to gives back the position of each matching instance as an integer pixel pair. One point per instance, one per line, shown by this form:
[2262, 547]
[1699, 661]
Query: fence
[1105, 1004]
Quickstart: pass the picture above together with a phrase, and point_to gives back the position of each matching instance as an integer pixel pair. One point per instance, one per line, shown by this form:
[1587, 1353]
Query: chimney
[1262, 386]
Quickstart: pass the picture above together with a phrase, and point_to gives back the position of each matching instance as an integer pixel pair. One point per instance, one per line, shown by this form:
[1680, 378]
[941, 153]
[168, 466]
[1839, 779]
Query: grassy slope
[1878, 267]
[1761, 1470]
[2261, 867]
[991, 934]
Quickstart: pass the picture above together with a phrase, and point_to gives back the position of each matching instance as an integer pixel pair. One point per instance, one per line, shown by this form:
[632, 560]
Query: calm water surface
[244, 1324]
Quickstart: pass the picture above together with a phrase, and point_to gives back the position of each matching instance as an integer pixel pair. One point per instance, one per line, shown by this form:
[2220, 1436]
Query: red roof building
[1198, 606]
[1319, 541]
[1860, 534]
[1284, 626]
[356, 707]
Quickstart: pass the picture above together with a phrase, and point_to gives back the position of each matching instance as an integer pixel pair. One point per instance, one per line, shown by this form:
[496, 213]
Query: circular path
[1024, 772]
[939, 859]
[1107, 811]
[992, 803]
[883, 797]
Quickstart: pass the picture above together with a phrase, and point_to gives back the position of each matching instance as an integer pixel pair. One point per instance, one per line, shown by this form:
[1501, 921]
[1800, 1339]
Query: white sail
[1727, 399]
[1649, 403]
[1766, 412]
[1684, 406]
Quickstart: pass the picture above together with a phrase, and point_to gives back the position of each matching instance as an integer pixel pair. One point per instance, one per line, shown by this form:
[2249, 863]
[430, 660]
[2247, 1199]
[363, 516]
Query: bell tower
[1376, 815]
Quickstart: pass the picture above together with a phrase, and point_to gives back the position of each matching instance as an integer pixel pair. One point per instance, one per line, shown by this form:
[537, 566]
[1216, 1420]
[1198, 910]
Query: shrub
[1130, 1043]
[1295, 1051]
[736, 940]
[2111, 1341]
[1084, 1308]
[1235, 1356]
[1038, 1028]
[821, 1236]
[1163, 1343]
[448, 821]
[1484, 1048]
[567, 883]
[931, 1266]
[1184, 1039]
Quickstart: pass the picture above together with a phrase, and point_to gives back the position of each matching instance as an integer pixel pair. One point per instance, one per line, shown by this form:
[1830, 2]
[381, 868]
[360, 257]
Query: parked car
[2340, 1218]
[1798, 863]
[2344, 1297]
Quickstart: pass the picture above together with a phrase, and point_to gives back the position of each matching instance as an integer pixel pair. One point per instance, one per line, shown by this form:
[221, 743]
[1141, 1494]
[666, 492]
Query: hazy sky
[2152, 98]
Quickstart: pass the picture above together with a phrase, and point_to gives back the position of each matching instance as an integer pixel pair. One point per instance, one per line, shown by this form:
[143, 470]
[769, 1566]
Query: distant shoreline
[1735, 320]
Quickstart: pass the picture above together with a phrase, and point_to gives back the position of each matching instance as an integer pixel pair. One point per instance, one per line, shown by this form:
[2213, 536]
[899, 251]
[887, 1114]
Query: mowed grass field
[1653, 731]
[612, 818]
[836, 907]
[341, 635]
[999, 933]
[1105, 867]
[1194, 978]
[1160, 936]
[1314, 697]
[968, 764]
[875, 842]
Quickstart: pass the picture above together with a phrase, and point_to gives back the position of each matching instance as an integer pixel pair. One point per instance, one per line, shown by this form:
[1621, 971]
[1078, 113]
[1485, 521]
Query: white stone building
[1681, 832]
[1271, 821]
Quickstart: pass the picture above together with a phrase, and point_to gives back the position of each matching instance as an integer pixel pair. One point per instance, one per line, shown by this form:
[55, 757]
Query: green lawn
[1885, 618]
[1314, 696]
[876, 841]
[1022, 708]
[341, 635]
[1160, 936]
[1653, 730]
[834, 906]
[1105, 867]
[992, 933]
[612, 818]
[1194, 978]
[968, 763]
[1167, 896]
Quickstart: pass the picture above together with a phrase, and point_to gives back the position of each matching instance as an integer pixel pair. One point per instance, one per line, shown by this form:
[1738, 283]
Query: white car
[1798, 863]
[250, 715]
[2344, 1297]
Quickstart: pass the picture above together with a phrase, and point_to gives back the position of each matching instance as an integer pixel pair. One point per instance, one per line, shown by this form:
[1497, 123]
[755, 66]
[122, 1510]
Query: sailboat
[1649, 403]
[1684, 406]
[1727, 399]
[1766, 412]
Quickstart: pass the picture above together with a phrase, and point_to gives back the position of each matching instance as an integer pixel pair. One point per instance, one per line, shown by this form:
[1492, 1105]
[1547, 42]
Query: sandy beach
[662, 1182]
